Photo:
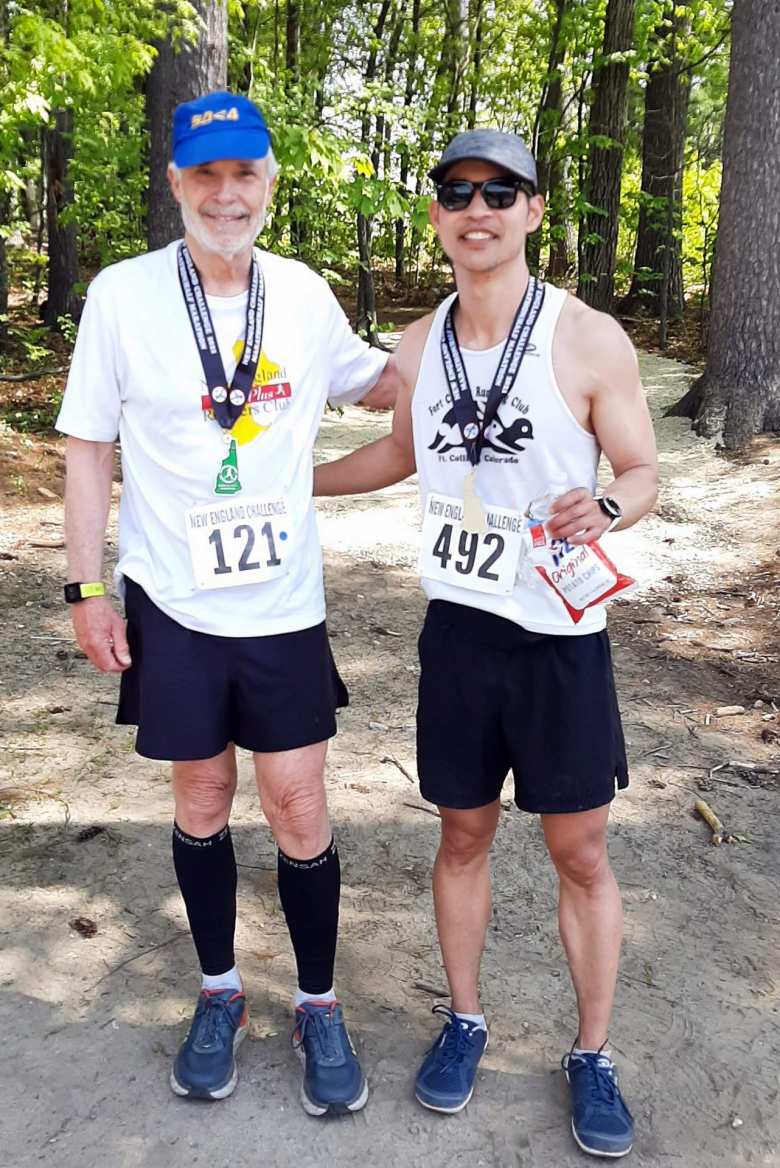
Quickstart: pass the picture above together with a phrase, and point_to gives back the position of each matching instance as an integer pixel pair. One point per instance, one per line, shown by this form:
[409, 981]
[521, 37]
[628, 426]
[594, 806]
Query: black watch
[75, 592]
[610, 507]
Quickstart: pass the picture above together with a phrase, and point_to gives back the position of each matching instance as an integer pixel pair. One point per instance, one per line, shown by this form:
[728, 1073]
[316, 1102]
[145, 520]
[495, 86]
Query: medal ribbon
[514, 350]
[227, 401]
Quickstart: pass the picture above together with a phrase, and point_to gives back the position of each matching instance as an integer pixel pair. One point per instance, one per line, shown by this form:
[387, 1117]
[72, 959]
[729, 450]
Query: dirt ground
[91, 1023]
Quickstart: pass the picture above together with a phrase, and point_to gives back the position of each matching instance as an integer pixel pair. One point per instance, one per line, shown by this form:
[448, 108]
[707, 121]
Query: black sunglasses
[498, 193]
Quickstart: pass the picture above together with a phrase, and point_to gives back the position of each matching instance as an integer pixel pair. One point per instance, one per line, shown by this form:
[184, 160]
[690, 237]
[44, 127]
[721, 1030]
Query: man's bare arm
[389, 459]
[99, 629]
[621, 422]
[384, 392]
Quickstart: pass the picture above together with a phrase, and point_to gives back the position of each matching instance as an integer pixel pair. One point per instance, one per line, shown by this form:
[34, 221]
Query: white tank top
[535, 441]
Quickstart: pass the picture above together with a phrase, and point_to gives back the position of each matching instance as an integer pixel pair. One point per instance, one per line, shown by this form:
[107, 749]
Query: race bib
[483, 563]
[242, 542]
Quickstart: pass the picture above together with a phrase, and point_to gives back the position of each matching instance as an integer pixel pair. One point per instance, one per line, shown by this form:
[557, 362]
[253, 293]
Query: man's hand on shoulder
[101, 634]
[384, 393]
[390, 459]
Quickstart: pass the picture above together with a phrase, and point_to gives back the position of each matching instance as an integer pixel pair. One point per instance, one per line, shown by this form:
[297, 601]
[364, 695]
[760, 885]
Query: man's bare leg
[590, 915]
[461, 894]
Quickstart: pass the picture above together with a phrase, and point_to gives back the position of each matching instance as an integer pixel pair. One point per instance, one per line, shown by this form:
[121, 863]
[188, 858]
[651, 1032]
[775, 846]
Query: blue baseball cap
[219, 125]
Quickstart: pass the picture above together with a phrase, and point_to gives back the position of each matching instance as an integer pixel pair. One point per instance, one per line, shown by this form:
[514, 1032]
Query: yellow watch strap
[88, 590]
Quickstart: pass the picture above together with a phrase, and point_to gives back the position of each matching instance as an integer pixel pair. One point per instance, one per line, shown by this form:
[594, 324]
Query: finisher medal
[474, 520]
[228, 482]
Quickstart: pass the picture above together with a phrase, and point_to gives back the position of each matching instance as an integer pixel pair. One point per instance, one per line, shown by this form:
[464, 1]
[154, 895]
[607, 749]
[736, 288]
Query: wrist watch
[611, 508]
[75, 592]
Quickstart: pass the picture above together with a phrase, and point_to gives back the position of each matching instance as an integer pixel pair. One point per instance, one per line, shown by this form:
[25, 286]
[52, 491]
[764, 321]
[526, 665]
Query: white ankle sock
[582, 1050]
[301, 996]
[222, 981]
[477, 1020]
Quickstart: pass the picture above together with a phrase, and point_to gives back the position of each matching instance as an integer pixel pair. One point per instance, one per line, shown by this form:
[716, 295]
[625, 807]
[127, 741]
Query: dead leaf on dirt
[84, 926]
[383, 632]
[88, 833]
[729, 711]
[429, 989]
[45, 493]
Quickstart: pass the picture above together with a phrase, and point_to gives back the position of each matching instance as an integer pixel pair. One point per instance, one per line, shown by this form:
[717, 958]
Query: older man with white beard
[212, 362]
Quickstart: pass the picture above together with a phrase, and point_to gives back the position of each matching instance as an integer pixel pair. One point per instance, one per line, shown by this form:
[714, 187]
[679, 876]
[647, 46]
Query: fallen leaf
[83, 926]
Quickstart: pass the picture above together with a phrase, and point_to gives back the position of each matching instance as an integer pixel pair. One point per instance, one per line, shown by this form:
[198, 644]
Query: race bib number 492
[483, 563]
[245, 541]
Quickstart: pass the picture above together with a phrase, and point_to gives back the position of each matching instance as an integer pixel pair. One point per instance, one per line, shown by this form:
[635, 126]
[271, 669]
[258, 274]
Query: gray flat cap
[505, 150]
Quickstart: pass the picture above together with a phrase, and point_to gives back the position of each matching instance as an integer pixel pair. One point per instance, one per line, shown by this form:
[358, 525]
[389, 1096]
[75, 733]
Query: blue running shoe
[205, 1067]
[445, 1081]
[601, 1122]
[332, 1077]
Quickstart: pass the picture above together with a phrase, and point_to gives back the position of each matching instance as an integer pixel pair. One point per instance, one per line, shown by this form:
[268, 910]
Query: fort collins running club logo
[505, 439]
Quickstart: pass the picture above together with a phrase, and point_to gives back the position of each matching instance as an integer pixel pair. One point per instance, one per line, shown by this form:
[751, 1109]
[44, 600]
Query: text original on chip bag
[582, 575]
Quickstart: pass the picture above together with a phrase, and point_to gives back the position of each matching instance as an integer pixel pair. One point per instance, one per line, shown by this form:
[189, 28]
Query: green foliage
[358, 118]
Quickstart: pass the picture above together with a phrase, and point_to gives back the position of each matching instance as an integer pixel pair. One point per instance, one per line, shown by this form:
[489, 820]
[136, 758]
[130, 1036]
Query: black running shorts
[190, 693]
[495, 697]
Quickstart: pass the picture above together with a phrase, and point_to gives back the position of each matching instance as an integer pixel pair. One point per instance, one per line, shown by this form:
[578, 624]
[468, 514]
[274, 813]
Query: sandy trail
[91, 1024]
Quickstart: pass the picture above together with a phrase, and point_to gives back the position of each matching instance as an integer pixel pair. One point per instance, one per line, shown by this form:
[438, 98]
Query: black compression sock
[206, 871]
[309, 891]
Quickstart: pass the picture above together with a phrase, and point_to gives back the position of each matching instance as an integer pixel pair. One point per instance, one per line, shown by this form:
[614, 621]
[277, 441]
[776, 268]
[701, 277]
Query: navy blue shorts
[495, 697]
[190, 693]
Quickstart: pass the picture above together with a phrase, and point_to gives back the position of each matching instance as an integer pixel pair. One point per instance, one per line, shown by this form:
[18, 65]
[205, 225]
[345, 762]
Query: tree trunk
[476, 64]
[548, 117]
[365, 312]
[292, 79]
[63, 267]
[409, 89]
[658, 249]
[457, 41]
[175, 77]
[605, 163]
[559, 261]
[739, 392]
[365, 307]
[5, 210]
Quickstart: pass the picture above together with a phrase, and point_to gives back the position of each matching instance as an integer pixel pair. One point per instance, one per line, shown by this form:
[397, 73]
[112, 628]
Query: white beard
[225, 244]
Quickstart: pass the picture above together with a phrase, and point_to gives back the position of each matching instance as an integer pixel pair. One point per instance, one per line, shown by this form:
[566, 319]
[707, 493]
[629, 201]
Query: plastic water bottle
[540, 508]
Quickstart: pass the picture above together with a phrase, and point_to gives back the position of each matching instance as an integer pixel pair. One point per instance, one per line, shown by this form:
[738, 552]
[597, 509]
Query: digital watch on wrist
[611, 508]
[75, 592]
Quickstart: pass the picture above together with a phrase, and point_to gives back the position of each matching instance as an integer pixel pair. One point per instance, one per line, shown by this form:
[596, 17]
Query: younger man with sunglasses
[511, 390]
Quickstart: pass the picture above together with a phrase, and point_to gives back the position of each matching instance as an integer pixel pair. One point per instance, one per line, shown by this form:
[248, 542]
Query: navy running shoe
[600, 1121]
[332, 1076]
[445, 1081]
[205, 1067]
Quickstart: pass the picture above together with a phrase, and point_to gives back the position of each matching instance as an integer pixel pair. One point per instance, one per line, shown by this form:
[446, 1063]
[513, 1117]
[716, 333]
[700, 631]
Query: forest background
[624, 103]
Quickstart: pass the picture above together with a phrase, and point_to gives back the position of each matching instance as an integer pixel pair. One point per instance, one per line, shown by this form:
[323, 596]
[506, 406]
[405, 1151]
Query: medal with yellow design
[228, 402]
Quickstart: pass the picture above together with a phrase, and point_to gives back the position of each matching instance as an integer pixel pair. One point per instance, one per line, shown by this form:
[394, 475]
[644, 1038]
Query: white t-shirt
[136, 373]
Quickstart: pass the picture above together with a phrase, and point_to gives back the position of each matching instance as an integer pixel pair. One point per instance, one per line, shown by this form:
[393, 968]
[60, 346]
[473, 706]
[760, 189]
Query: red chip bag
[581, 575]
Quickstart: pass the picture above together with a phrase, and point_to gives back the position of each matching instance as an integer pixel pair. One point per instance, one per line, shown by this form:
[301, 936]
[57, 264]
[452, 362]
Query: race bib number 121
[242, 542]
[483, 563]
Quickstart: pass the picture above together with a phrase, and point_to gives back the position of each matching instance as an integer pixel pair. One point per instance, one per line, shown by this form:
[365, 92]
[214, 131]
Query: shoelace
[602, 1085]
[324, 1032]
[457, 1038]
[214, 1012]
